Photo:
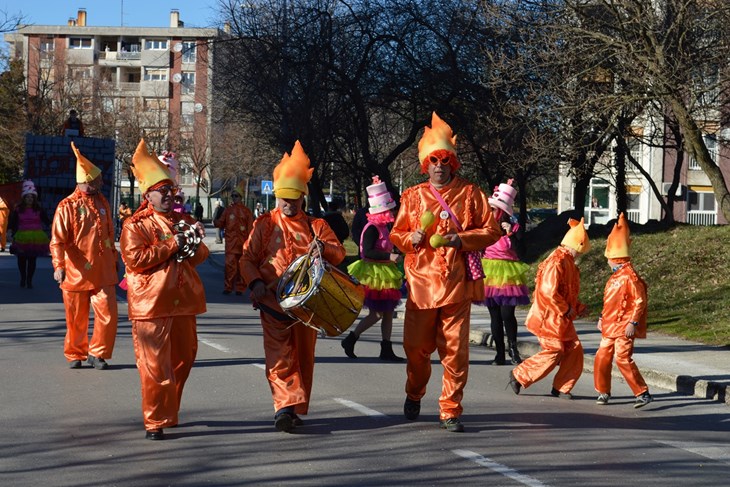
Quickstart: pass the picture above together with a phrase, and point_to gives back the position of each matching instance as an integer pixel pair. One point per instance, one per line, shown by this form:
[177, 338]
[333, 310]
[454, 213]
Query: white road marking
[716, 452]
[260, 366]
[360, 408]
[499, 468]
[215, 345]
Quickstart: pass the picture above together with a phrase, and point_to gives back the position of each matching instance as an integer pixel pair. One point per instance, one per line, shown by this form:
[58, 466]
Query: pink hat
[504, 197]
[169, 160]
[379, 198]
[28, 188]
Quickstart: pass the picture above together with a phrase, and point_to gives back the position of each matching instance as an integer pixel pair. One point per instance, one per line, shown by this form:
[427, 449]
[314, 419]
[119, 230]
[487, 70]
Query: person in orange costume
[85, 266]
[164, 293]
[622, 320]
[279, 237]
[439, 294]
[237, 221]
[554, 307]
[4, 216]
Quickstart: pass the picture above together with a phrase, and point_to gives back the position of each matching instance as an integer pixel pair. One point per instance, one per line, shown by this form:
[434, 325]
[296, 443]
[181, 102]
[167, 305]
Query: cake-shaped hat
[169, 159]
[504, 197]
[28, 187]
[379, 198]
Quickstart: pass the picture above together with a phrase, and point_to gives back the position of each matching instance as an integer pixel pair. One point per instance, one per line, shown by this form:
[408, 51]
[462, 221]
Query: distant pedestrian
[259, 210]
[4, 218]
[123, 213]
[216, 215]
[198, 211]
[237, 222]
[622, 320]
[555, 305]
[336, 221]
[29, 239]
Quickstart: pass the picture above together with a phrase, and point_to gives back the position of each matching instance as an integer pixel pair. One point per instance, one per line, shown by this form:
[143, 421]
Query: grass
[687, 271]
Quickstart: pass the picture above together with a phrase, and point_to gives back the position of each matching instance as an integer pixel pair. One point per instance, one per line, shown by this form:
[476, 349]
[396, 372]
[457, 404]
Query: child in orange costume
[622, 320]
[554, 307]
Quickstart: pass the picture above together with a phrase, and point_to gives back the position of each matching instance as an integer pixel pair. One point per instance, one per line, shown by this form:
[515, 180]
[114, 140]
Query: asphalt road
[63, 427]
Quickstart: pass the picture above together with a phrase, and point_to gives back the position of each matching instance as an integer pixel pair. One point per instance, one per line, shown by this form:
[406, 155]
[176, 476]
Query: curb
[681, 384]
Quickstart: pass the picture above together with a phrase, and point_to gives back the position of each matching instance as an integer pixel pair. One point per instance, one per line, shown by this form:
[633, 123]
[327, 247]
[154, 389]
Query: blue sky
[102, 13]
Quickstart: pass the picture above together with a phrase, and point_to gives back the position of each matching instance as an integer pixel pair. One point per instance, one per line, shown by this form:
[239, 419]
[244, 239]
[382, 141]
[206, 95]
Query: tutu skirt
[505, 283]
[382, 281]
[30, 243]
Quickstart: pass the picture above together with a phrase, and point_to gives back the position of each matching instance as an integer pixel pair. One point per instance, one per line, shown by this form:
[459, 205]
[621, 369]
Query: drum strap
[272, 312]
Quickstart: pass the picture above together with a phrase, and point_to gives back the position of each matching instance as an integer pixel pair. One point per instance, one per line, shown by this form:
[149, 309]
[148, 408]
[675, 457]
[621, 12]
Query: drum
[320, 295]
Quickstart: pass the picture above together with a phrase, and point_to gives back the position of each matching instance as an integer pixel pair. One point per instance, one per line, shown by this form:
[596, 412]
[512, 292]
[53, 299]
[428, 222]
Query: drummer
[277, 239]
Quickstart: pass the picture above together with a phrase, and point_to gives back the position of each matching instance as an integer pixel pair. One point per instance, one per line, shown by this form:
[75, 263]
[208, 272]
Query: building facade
[163, 74]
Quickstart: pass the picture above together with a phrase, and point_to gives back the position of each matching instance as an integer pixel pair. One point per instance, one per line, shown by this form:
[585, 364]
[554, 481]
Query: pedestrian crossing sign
[267, 187]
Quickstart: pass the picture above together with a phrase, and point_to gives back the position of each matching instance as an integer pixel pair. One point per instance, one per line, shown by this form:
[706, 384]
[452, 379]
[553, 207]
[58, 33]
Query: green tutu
[501, 273]
[376, 275]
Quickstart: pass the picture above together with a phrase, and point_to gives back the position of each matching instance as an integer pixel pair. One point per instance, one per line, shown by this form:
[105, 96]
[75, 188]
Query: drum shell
[332, 304]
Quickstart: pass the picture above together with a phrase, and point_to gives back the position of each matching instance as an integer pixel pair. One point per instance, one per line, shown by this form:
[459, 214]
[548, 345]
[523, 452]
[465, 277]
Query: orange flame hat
[86, 171]
[438, 136]
[147, 168]
[577, 237]
[292, 174]
[618, 242]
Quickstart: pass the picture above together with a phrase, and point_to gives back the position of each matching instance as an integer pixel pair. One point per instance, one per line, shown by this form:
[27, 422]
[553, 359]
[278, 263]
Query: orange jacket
[437, 277]
[158, 285]
[624, 300]
[555, 301]
[276, 240]
[82, 242]
[237, 221]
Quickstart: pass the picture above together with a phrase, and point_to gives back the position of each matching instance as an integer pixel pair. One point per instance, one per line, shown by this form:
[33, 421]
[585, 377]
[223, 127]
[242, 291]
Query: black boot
[499, 348]
[514, 353]
[349, 344]
[386, 352]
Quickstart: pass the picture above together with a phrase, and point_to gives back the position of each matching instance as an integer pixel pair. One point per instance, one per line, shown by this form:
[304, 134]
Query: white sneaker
[603, 399]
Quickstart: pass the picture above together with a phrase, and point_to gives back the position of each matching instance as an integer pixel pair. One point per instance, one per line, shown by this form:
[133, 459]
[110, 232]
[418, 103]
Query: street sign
[267, 187]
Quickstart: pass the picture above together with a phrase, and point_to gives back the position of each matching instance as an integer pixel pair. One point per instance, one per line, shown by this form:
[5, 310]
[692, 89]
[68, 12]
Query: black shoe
[98, 363]
[284, 421]
[349, 344]
[297, 421]
[499, 360]
[452, 424]
[22, 283]
[642, 400]
[74, 364]
[238, 293]
[29, 285]
[411, 409]
[226, 291]
[514, 353]
[516, 386]
[561, 395]
[387, 354]
[154, 435]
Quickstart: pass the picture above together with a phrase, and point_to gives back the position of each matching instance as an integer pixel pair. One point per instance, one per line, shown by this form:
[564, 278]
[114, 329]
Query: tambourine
[192, 240]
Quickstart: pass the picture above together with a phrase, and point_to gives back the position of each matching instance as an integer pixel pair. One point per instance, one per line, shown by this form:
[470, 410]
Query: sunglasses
[234, 195]
[165, 190]
[435, 161]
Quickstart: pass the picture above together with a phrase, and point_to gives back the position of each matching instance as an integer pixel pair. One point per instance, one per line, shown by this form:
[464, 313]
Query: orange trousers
[289, 351]
[232, 276]
[569, 354]
[623, 348]
[165, 349]
[445, 329]
[78, 304]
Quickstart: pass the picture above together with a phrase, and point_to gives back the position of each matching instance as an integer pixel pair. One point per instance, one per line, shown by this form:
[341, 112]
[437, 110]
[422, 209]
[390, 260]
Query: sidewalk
[666, 362]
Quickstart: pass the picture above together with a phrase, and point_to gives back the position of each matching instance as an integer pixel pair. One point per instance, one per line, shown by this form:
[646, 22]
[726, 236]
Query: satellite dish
[178, 47]
[177, 77]
[198, 107]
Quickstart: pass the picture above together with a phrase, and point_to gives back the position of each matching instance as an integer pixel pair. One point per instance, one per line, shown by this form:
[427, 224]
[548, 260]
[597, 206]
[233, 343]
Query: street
[65, 427]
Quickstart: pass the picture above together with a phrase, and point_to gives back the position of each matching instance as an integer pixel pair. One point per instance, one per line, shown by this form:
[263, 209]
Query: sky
[108, 13]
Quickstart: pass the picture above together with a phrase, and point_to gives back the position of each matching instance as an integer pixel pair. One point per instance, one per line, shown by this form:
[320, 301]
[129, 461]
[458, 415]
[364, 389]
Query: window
[79, 43]
[47, 45]
[698, 201]
[188, 52]
[107, 104]
[188, 83]
[153, 74]
[711, 144]
[187, 108]
[635, 148]
[155, 104]
[79, 72]
[155, 45]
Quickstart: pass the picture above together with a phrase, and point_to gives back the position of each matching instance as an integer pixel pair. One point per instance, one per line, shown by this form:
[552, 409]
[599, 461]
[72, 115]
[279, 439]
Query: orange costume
[82, 246]
[439, 300]
[4, 217]
[555, 306]
[237, 221]
[164, 296]
[276, 240]
[622, 320]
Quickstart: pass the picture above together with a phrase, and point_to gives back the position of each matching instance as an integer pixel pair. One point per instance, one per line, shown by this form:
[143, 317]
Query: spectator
[259, 210]
[216, 215]
[337, 222]
[198, 211]
[358, 224]
[73, 126]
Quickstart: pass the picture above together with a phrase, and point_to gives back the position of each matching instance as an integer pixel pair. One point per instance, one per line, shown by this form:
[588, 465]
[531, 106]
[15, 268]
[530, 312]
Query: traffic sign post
[267, 188]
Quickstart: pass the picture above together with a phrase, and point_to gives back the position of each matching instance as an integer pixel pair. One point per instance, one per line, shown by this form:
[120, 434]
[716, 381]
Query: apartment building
[165, 72]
